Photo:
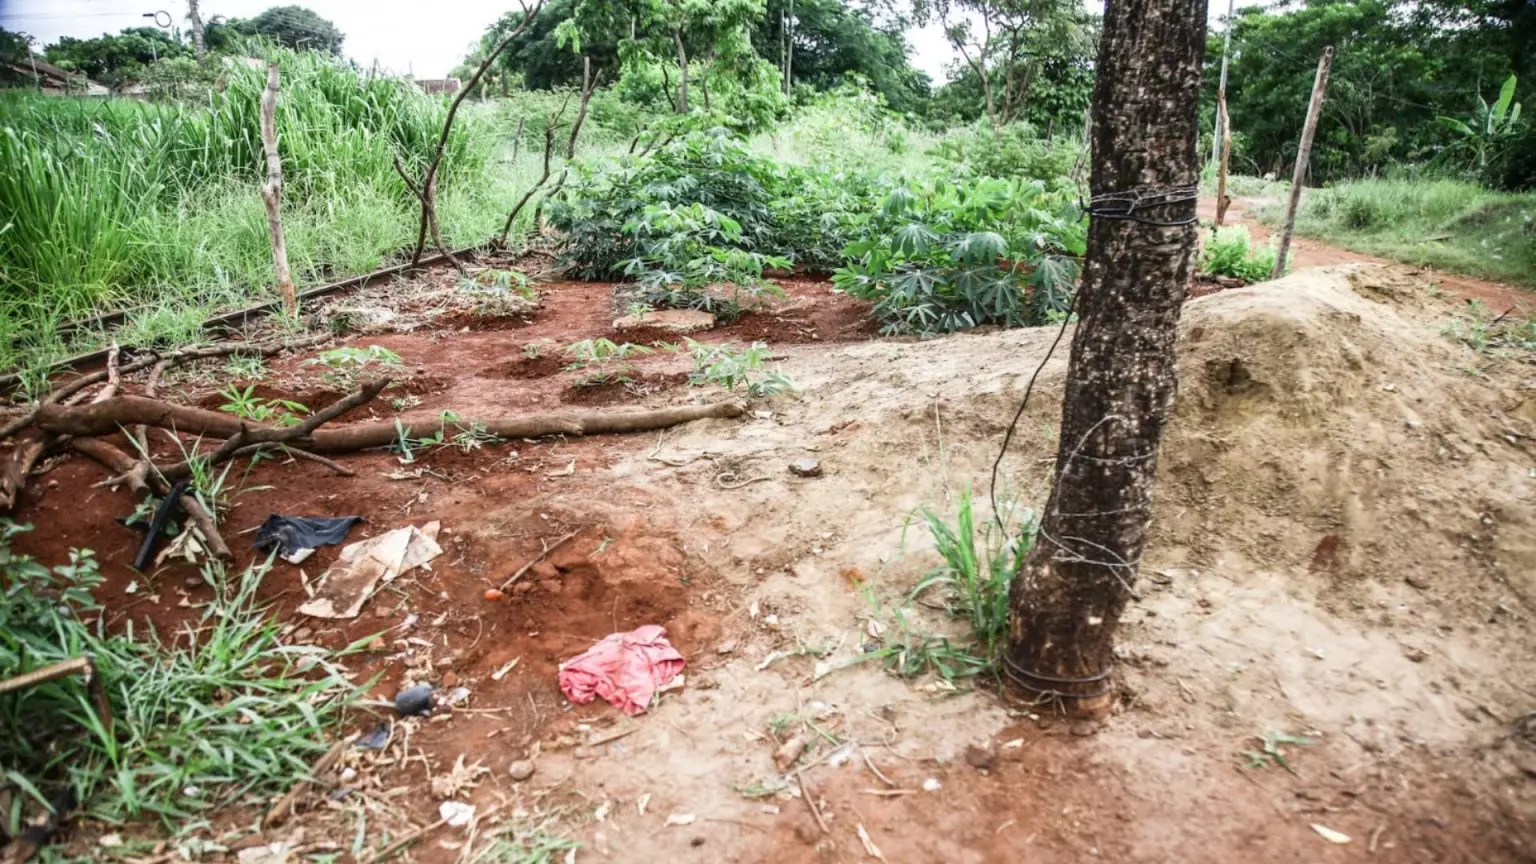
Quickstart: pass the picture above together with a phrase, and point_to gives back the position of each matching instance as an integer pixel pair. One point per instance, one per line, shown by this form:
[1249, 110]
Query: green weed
[731, 367]
[1270, 753]
[202, 718]
[346, 365]
[1229, 251]
[246, 405]
[603, 361]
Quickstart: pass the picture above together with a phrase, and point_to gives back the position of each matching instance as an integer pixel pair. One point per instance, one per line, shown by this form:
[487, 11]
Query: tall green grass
[1451, 225]
[108, 204]
[201, 717]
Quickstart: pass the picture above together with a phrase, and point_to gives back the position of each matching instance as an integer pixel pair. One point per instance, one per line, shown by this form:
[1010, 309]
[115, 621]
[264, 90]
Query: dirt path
[1307, 252]
[1327, 444]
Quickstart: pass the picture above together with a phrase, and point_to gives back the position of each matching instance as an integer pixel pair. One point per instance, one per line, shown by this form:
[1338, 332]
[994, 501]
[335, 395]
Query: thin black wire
[1024, 403]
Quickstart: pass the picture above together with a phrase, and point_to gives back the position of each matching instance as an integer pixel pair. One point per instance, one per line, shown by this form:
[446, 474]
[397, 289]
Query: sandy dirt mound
[1342, 550]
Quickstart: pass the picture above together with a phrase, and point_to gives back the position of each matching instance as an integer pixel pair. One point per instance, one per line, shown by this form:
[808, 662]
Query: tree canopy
[114, 59]
[294, 26]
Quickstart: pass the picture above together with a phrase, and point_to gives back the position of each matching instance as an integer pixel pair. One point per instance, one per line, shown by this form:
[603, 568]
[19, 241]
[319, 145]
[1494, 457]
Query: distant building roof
[51, 77]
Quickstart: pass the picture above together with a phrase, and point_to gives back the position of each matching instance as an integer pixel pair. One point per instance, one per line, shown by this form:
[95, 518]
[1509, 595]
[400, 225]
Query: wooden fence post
[1303, 152]
[272, 190]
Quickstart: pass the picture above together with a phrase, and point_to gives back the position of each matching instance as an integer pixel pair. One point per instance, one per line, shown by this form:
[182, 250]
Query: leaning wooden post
[1319, 85]
[272, 190]
[1222, 201]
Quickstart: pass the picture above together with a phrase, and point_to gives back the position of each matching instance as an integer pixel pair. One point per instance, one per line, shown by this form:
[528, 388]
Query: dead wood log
[26, 456]
[272, 190]
[135, 474]
[106, 417]
[248, 434]
[169, 359]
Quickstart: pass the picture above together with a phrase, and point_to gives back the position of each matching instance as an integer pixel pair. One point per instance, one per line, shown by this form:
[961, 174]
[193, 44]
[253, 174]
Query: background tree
[294, 26]
[1005, 43]
[1066, 601]
[115, 60]
[833, 41]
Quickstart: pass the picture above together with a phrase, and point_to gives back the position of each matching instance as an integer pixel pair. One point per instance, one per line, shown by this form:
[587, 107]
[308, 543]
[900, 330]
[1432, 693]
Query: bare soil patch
[1344, 550]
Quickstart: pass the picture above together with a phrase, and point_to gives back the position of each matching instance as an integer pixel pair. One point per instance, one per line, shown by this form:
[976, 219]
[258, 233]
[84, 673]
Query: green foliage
[1012, 151]
[115, 60]
[246, 405]
[344, 366]
[222, 711]
[1496, 336]
[1230, 252]
[731, 367]
[711, 169]
[1491, 129]
[836, 42]
[118, 202]
[1398, 68]
[1451, 225]
[690, 257]
[945, 256]
[603, 361]
[294, 27]
[978, 566]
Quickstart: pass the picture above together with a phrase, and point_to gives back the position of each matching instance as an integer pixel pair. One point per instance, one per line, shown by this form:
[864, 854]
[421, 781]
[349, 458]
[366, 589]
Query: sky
[404, 36]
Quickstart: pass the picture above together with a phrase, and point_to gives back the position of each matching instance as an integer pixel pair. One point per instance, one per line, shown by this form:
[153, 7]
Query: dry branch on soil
[105, 417]
[135, 474]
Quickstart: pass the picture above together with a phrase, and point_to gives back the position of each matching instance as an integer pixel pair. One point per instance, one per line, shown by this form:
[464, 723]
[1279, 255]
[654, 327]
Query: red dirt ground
[498, 508]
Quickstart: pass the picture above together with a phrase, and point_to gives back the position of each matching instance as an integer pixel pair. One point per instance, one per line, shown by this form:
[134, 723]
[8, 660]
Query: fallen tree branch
[165, 360]
[135, 473]
[27, 455]
[254, 449]
[248, 434]
[106, 417]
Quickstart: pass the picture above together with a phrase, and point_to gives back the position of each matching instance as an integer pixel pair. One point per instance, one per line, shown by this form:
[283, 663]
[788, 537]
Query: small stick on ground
[284, 806]
[810, 801]
[390, 850]
[536, 559]
[876, 771]
[289, 449]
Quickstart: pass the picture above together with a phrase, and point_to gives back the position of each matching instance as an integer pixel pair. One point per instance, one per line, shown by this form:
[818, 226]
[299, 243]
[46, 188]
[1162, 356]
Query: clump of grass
[971, 582]
[1230, 252]
[203, 717]
[1506, 335]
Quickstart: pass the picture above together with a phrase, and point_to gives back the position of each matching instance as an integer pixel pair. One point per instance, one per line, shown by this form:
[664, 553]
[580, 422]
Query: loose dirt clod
[806, 467]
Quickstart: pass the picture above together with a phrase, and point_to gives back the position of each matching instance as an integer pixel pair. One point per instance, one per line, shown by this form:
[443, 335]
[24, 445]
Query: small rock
[414, 701]
[1416, 655]
[932, 784]
[1417, 581]
[520, 770]
[303, 634]
[981, 757]
[1084, 728]
[726, 647]
[193, 582]
[806, 467]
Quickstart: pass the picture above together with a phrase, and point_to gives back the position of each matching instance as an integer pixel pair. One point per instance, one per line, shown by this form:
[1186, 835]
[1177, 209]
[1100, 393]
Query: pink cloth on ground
[624, 668]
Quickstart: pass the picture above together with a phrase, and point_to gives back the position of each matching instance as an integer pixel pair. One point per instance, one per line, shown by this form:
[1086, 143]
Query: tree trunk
[196, 20]
[789, 50]
[272, 193]
[1068, 597]
[682, 65]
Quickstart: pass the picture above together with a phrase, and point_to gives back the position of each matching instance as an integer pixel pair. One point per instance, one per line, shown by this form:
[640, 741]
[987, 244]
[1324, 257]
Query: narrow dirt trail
[1306, 252]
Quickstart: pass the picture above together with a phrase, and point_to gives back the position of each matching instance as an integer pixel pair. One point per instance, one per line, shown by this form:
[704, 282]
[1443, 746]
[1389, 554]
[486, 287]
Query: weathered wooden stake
[1303, 152]
[1222, 199]
[272, 190]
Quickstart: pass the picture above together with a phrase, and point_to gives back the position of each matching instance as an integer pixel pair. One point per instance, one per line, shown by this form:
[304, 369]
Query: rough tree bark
[1069, 594]
[682, 63]
[196, 20]
[272, 191]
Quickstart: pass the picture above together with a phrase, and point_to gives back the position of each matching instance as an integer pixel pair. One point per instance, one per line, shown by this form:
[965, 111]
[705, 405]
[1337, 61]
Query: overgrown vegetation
[201, 718]
[1452, 225]
[1230, 251]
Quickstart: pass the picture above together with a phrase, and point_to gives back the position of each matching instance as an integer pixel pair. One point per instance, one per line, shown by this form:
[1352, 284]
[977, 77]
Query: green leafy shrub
[1011, 152]
[690, 257]
[1230, 252]
[197, 723]
[708, 168]
[945, 256]
[731, 367]
[603, 361]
